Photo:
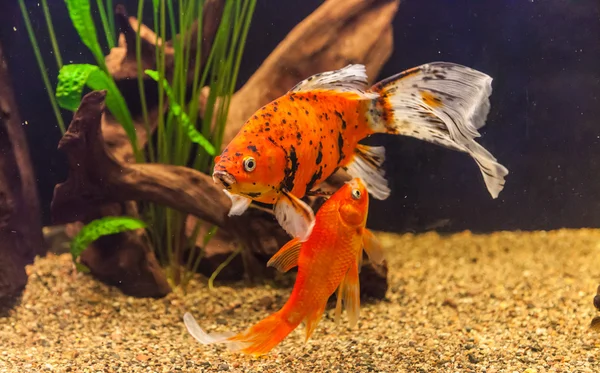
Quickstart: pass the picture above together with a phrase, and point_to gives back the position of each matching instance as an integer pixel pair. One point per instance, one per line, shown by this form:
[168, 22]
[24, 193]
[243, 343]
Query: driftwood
[101, 168]
[20, 216]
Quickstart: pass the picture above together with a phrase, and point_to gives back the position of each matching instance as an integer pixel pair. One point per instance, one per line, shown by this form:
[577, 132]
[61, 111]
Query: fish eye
[355, 193]
[249, 164]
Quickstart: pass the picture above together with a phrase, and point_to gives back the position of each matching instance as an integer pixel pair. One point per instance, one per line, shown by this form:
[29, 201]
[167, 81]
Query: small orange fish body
[288, 147]
[327, 261]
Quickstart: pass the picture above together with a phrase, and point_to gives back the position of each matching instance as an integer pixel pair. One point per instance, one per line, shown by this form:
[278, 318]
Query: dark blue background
[544, 124]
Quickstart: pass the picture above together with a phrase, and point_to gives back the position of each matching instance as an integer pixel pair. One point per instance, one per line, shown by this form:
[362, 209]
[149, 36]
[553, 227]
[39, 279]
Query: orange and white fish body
[327, 261]
[291, 145]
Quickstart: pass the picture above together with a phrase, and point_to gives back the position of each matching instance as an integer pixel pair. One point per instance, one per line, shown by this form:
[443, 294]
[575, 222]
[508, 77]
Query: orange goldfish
[294, 143]
[329, 259]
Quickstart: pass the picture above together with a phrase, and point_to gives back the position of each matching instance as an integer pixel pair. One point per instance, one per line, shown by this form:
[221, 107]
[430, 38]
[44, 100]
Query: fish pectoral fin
[351, 294]
[352, 78]
[200, 335]
[367, 165]
[373, 247]
[239, 204]
[287, 257]
[295, 216]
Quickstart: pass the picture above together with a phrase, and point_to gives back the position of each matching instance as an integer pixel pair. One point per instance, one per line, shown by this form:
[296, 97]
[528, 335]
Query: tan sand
[506, 302]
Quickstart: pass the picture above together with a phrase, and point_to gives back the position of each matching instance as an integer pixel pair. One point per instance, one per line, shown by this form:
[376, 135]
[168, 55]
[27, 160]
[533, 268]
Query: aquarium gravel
[504, 302]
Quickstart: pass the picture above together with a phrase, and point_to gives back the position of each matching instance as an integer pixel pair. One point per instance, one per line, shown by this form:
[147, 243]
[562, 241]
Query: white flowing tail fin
[442, 103]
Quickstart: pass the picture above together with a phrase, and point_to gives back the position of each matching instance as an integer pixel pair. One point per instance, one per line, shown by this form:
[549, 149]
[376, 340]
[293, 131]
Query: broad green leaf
[81, 16]
[98, 228]
[73, 78]
[177, 111]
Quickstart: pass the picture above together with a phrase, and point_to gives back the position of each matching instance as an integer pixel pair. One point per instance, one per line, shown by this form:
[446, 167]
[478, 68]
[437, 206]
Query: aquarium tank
[299, 186]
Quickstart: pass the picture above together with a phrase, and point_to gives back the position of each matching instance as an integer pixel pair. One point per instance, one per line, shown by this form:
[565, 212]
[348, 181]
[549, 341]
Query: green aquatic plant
[99, 228]
[40, 60]
[184, 135]
[178, 140]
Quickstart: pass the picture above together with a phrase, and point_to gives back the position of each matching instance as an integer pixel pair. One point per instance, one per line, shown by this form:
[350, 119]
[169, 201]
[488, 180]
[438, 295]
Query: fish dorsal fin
[351, 294]
[295, 216]
[239, 204]
[287, 257]
[372, 247]
[352, 78]
[366, 164]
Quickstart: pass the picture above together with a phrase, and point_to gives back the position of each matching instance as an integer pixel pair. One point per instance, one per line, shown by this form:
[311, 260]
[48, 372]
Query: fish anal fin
[312, 320]
[351, 295]
[338, 305]
[352, 79]
[287, 257]
[239, 204]
[372, 247]
[295, 216]
[367, 165]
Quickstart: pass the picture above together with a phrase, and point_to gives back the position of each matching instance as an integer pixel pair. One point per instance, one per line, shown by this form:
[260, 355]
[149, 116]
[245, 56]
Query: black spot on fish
[238, 154]
[306, 111]
[313, 180]
[341, 118]
[256, 117]
[289, 113]
[290, 170]
[299, 136]
[253, 194]
[320, 153]
[340, 148]
[283, 121]
[252, 148]
[326, 116]
[275, 108]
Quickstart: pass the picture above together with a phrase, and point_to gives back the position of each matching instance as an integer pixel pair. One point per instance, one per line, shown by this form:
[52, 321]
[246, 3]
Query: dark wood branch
[96, 177]
[20, 217]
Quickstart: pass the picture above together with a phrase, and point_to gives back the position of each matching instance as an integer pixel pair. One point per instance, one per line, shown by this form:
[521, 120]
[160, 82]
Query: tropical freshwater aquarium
[300, 186]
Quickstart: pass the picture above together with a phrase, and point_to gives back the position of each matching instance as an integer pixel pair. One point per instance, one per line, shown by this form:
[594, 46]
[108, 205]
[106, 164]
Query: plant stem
[110, 9]
[140, 76]
[110, 38]
[42, 67]
[211, 280]
[57, 55]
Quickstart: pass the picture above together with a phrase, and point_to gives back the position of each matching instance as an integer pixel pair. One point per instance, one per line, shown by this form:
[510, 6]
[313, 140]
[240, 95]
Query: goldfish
[291, 145]
[330, 259]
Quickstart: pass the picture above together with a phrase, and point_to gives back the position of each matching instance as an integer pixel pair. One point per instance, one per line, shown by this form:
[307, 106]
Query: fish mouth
[224, 179]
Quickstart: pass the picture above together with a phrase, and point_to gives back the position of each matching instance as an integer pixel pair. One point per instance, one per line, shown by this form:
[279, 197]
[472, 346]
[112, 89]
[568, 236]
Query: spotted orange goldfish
[294, 143]
[327, 261]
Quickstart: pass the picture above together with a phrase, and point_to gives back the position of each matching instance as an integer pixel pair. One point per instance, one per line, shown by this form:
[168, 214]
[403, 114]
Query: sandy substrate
[504, 302]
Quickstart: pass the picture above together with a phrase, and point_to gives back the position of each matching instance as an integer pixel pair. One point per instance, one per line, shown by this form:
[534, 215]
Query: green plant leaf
[98, 228]
[81, 16]
[73, 78]
[177, 111]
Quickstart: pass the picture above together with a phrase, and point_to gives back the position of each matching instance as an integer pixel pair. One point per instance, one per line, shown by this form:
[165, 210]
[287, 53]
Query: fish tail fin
[442, 103]
[266, 334]
[208, 338]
